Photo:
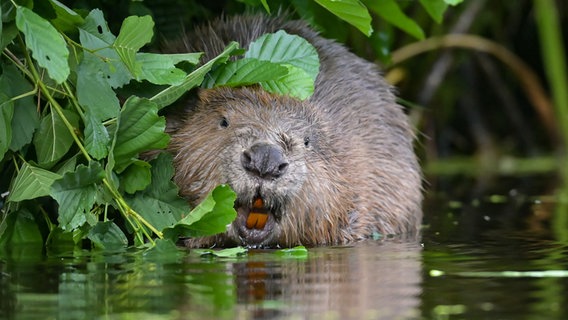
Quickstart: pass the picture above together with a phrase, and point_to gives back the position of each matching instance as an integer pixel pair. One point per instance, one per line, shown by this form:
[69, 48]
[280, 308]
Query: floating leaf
[210, 217]
[295, 252]
[46, 43]
[140, 129]
[222, 253]
[75, 193]
[352, 11]
[31, 182]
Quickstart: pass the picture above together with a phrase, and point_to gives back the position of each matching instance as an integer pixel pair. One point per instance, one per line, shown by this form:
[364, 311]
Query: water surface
[484, 254]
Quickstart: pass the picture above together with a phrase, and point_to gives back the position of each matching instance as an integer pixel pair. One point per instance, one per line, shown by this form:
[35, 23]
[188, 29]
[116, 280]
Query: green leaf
[134, 33]
[95, 35]
[297, 83]
[435, 9]
[160, 204]
[223, 253]
[352, 11]
[295, 252]
[453, 2]
[25, 119]
[9, 33]
[244, 72]
[192, 80]
[140, 129]
[107, 235]
[160, 68]
[64, 241]
[75, 193]
[391, 12]
[53, 140]
[265, 5]
[6, 114]
[210, 217]
[31, 182]
[136, 177]
[94, 91]
[97, 139]
[19, 228]
[284, 48]
[95, 31]
[66, 19]
[95, 94]
[46, 43]
[164, 251]
[67, 165]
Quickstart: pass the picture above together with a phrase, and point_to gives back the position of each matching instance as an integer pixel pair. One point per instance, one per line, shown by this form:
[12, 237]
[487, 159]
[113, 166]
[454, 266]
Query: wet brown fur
[357, 177]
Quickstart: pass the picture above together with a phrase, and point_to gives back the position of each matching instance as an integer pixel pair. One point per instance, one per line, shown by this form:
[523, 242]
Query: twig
[527, 77]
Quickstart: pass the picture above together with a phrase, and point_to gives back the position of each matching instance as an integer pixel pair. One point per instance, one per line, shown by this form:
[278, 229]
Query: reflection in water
[367, 281]
[471, 243]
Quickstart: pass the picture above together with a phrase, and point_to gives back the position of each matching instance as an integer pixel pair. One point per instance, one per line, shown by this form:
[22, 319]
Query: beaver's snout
[265, 160]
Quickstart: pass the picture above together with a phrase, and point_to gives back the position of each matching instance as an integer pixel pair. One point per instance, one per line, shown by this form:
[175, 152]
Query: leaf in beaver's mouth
[258, 215]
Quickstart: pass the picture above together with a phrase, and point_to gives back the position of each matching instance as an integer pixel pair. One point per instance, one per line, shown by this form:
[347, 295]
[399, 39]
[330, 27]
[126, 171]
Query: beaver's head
[278, 155]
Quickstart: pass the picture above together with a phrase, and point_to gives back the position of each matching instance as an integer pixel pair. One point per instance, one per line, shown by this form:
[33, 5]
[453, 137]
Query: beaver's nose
[265, 160]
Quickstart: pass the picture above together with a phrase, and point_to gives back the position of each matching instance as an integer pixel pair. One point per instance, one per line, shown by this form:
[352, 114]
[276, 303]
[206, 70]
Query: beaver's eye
[307, 141]
[224, 123]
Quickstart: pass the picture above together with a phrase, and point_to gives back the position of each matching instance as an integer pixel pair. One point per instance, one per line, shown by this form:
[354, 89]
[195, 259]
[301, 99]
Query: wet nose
[265, 160]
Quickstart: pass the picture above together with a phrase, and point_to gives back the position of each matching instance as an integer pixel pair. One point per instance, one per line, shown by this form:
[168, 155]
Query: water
[485, 254]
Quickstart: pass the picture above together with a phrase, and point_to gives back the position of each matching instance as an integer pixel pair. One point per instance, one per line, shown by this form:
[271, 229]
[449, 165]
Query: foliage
[79, 105]
[67, 137]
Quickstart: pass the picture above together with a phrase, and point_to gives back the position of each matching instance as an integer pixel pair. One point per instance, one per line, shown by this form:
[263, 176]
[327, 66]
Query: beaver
[332, 169]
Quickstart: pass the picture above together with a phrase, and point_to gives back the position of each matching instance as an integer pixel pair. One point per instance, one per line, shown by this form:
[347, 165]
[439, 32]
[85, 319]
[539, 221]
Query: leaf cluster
[80, 103]
[70, 142]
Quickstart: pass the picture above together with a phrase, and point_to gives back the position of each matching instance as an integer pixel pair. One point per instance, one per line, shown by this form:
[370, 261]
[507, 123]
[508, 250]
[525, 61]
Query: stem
[124, 208]
[70, 94]
[127, 211]
[17, 62]
[54, 103]
[527, 77]
[553, 57]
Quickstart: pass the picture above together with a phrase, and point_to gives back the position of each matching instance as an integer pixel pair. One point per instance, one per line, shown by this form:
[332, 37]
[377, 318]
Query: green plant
[66, 136]
[70, 135]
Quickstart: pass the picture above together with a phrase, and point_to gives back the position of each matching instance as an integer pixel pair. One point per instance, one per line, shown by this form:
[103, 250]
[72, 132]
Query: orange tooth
[256, 220]
[258, 203]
